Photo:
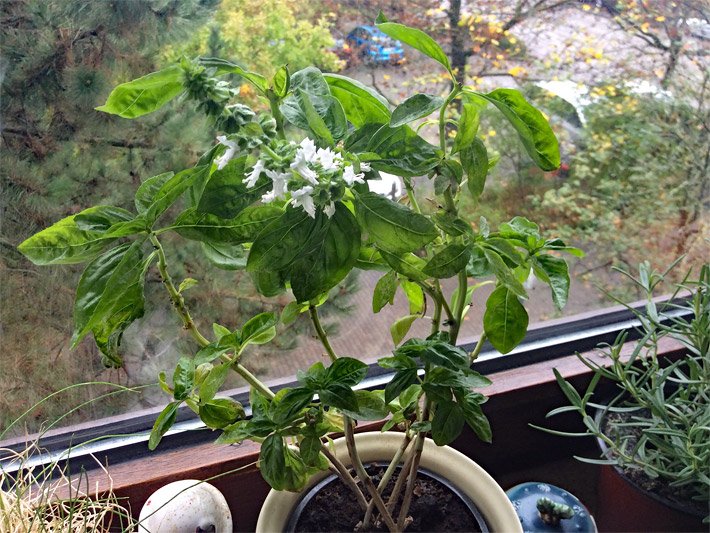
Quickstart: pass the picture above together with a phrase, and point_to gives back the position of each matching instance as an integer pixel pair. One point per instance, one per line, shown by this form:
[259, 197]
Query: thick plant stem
[386, 479]
[278, 117]
[364, 476]
[345, 476]
[188, 324]
[175, 297]
[460, 306]
[313, 311]
[399, 484]
[411, 478]
[411, 196]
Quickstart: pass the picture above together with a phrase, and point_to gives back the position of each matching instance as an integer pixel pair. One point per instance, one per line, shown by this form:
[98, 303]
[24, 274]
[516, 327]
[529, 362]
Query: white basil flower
[365, 167]
[280, 184]
[255, 173]
[329, 209]
[302, 198]
[350, 177]
[228, 154]
[328, 159]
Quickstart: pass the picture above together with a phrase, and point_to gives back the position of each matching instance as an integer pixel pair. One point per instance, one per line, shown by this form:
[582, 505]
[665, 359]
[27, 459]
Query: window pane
[630, 113]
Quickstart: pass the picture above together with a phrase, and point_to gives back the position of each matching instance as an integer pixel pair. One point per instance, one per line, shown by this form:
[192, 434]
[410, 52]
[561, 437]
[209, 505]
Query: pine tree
[59, 59]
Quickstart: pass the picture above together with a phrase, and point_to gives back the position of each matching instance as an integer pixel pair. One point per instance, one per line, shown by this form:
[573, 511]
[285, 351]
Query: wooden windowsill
[517, 398]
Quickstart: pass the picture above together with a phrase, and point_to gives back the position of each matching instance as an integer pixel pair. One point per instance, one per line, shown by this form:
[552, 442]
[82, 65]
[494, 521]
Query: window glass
[625, 90]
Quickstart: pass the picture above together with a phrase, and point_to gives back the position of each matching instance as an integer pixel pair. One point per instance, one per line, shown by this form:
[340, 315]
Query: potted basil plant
[653, 430]
[284, 194]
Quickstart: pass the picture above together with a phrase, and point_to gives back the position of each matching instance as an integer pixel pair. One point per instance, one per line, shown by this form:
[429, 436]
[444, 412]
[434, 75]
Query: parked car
[371, 45]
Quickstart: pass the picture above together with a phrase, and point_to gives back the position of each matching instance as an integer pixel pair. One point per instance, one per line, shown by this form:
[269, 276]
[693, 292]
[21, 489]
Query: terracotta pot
[623, 506]
[444, 461]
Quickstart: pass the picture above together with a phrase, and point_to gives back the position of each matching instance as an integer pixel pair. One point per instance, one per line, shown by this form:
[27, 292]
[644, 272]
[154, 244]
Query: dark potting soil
[434, 508]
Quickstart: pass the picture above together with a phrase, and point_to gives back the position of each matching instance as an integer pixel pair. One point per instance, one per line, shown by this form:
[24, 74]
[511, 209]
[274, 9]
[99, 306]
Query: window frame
[123, 438]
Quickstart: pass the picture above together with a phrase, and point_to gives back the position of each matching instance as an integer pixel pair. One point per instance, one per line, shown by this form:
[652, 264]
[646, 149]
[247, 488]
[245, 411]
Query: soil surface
[434, 508]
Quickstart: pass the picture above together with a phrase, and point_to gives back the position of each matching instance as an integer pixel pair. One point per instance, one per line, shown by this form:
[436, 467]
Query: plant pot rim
[620, 471]
[307, 496]
[469, 477]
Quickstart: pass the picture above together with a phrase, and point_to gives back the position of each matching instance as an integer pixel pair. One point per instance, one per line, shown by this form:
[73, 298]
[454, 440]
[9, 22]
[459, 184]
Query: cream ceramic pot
[468, 477]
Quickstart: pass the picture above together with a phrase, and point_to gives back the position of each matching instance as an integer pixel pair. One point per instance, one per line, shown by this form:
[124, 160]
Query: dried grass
[47, 499]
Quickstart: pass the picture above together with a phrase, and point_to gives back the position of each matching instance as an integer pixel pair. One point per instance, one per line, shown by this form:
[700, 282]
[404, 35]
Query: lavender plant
[284, 194]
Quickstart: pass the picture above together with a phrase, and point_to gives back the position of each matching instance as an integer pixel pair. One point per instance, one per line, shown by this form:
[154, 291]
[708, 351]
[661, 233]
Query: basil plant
[284, 194]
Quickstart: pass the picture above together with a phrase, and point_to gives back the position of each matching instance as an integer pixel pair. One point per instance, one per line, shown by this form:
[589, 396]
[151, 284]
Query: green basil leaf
[259, 329]
[281, 82]
[213, 382]
[145, 194]
[316, 125]
[415, 107]
[519, 228]
[408, 265]
[448, 262]
[400, 381]
[222, 66]
[183, 378]
[416, 39]
[415, 296]
[310, 450]
[212, 229]
[110, 292]
[146, 94]
[533, 129]
[452, 225]
[447, 423]
[370, 258]
[506, 250]
[310, 80]
[362, 105]
[401, 327]
[553, 271]
[225, 256]
[392, 226]
[269, 283]
[171, 190]
[64, 243]
[384, 292]
[340, 396]
[445, 355]
[291, 403]
[272, 462]
[332, 255]
[163, 423]
[503, 272]
[221, 412]
[401, 151]
[474, 159]
[371, 406]
[347, 371]
[101, 217]
[475, 418]
[209, 353]
[505, 320]
[226, 195]
[467, 127]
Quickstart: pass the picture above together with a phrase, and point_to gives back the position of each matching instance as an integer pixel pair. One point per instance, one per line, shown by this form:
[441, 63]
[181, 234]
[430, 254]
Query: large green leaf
[467, 127]
[384, 292]
[222, 66]
[414, 38]
[171, 190]
[63, 243]
[473, 414]
[163, 423]
[362, 105]
[415, 107]
[327, 264]
[283, 240]
[535, 132]
[400, 150]
[145, 95]
[146, 192]
[505, 320]
[474, 160]
[407, 264]
[316, 124]
[259, 329]
[447, 423]
[310, 80]
[448, 262]
[225, 256]
[110, 293]
[346, 370]
[101, 217]
[221, 412]
[392, 226]
[213, 229]
[225, 194]
[371, 406]
[553, 270]
[401, 327]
